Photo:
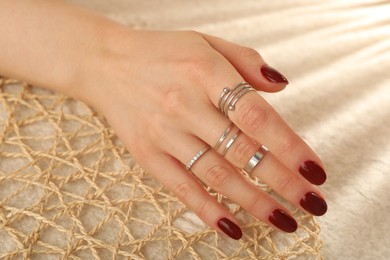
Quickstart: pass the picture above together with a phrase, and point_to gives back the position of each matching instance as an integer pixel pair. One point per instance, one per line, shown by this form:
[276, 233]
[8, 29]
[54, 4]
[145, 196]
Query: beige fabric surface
[336, 55]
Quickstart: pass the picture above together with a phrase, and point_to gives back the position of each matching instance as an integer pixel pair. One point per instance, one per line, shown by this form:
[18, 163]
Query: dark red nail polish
[313, 172]
[272, 74]
[283, 221]
[314, 204]
[229, 228]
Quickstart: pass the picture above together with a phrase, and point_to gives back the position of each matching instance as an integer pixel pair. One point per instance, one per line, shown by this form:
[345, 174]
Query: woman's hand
[160, 92]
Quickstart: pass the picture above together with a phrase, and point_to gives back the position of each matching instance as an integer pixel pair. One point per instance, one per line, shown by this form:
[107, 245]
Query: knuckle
[249, 53]
[254, 117]
[202, 210]
[173, 101]
[184, 191]
[253, 204]
[242, 151]
[199, 66]
[288, 144]
[287, 183]
[217, 176]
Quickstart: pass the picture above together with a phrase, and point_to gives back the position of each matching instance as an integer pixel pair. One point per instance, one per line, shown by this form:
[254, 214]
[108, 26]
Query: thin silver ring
[225, 95]
[223, 136]
[231, 141]
[255, 160]
[234, 96]
[228, 97]
[196, 157]
[233, 104]
[224, 92]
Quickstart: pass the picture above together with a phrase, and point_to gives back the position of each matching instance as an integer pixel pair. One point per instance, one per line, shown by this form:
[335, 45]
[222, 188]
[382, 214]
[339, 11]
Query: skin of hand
[159, 90]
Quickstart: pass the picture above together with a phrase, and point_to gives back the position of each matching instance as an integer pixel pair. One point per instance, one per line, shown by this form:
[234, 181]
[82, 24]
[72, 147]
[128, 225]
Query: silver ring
[225, 94]
[223, 136]
[234, 93]
[231, 141]
[196, 157]
[229, 97]
[233, 104]
[256, 158]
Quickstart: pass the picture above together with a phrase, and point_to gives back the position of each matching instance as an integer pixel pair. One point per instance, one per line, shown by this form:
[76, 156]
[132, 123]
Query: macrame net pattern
[70, 190]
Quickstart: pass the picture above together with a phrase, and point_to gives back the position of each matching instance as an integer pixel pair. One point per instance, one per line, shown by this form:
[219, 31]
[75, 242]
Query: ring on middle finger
[231, 141]
[223, 136]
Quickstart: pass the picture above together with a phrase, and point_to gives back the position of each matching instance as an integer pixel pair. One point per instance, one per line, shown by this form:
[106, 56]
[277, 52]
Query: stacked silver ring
[227, 102]
[231, 141]
[229, 97]
[223, 136]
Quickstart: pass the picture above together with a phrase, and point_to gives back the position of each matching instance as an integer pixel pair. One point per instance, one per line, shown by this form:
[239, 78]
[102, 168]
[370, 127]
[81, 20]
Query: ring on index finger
[229, 97]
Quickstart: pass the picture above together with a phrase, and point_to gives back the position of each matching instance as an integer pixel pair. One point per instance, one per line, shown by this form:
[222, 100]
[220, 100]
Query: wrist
[102, 66]
[46, 43]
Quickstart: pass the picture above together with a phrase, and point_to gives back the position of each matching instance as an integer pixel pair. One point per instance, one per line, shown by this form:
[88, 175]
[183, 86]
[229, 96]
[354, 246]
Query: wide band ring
[196, 157]
[256, 159]
[229, 97]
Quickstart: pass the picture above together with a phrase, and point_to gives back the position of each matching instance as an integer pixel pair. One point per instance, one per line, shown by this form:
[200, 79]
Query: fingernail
[229, 228]
[314, 204]
[272, 74]
[283, 221]
[313, 172]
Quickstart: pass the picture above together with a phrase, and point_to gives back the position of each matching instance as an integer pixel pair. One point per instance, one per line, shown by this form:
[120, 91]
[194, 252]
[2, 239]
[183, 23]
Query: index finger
[256, 117]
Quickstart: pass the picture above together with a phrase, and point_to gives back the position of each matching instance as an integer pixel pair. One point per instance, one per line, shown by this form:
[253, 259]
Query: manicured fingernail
[314, 204]
[283, 221]
[229, 228]
[313, 172]
[272, 74]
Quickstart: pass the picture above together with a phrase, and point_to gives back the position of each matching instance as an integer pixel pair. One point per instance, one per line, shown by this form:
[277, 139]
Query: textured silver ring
[231, 141]
[233, 96]
[255, 160]
[232, 106]
[226, 93]
[223, 136]
[196, 157]
[229, 97]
